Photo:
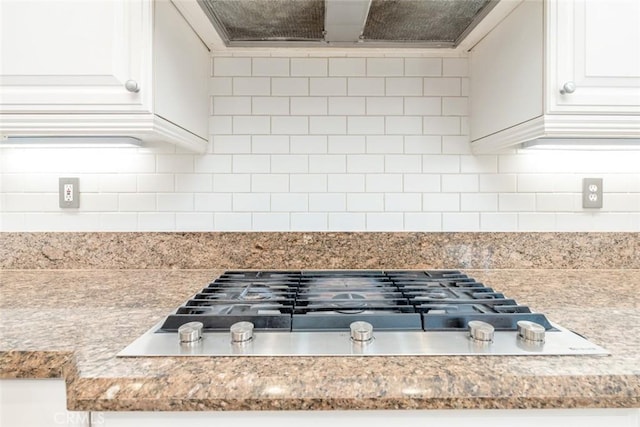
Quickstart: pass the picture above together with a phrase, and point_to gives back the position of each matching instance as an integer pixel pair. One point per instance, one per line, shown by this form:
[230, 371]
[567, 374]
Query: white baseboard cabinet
[37, 403]
[431, 418]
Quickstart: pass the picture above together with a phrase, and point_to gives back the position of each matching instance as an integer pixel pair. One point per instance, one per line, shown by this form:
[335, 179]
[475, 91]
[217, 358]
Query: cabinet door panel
[74, 56]
[597, 46]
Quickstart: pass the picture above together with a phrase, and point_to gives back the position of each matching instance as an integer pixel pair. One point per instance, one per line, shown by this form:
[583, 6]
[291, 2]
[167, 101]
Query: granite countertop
[72, 323]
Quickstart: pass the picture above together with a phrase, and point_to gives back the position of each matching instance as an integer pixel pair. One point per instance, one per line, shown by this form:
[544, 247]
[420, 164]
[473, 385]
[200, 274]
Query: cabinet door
[65, 56]
[596, 45]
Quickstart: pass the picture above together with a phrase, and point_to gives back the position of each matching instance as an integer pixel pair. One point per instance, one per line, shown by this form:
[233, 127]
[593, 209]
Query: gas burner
[349, 303]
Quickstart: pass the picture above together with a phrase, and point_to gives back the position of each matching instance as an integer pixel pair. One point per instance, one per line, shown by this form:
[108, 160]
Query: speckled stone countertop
[72, 323]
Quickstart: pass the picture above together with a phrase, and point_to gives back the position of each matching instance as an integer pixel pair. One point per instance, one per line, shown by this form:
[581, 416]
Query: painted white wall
[324, 143]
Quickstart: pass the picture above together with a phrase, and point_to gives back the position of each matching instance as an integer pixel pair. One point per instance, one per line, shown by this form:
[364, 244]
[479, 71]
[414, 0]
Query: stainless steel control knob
[481, 331]
[190, 332]
[132, 86]
[568, 87]
[361, 331]
[531, 331]
[241, 332]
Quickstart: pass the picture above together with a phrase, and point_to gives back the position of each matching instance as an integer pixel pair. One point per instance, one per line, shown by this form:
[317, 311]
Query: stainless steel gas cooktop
[354, 312]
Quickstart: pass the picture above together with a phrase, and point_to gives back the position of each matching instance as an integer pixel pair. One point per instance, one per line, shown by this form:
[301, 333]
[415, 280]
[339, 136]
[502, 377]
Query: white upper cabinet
[102, 68]
[560, 69]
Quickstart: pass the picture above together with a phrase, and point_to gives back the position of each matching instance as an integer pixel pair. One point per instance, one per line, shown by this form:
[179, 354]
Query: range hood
[345, 23]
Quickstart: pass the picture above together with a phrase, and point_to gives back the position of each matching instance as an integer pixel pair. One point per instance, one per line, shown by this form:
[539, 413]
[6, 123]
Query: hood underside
[358, 23]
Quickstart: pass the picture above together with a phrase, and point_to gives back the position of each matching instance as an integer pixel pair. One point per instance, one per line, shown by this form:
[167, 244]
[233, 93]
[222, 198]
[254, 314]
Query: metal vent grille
[420, 20]
[275, 20]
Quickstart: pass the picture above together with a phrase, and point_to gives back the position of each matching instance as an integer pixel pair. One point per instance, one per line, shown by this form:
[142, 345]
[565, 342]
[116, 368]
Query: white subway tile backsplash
[346, 106]
[365, 202]
[327, 163]
[479, 164]
[308, 106]
[327, 202]
[192, 221]
[194, 183]
[346, 183]
[478, 202]
[365, 163]
[231, 67]
[515, 202]
[174, 163]
[371, 86]
[403, 125]
[247, 125]
[402, 163]
[558, 202]
[423, 183]
[347, 221]
[347, 144]
[270, 221]
[308, 221]
[251, 86]
[212, 202]
[117, 221]
[384, 106]
[498, 221]
[498, 183]
[269, 183]
[308, 183]
[403, 202]
[174, 202]
[403, 86]
[365, 125]
[251, 163]
[460, 221]
[309, 67]
[328, 125]
[289, 202]
[251, 202]
[422, 105]
[232, 221]
[441, 202]
[460, 183]
[441, 86]
[289, 163]
[270, 67]
[327, 86]
[210, 163]
[139, 202]
[455, 67]
[383, 183]
[269, 144]
[290, 86]
[423, 144]
[384, 144]
[229, 105]
[231, 183]
[458, 106]
[423, 67]
[289, 125]
[432, 163]
[422, 221]
[385, 221]
[385, 67]
[157, 183]
[270, 105]
[368, 141]
[347, 66]
[308, 144]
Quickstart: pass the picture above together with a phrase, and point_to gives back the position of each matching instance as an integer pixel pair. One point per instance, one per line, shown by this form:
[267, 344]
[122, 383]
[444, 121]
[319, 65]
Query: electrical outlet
[592, 193]
[69, 193]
